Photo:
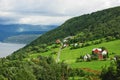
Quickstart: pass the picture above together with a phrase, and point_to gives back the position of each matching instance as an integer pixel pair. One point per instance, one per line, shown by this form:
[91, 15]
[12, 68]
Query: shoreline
[8, 48]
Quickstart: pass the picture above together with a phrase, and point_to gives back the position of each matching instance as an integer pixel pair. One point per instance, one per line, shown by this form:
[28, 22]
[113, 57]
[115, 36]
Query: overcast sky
[48, 11]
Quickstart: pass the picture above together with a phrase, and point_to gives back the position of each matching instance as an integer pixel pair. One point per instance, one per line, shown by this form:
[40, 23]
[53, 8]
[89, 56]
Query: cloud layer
[48, 11]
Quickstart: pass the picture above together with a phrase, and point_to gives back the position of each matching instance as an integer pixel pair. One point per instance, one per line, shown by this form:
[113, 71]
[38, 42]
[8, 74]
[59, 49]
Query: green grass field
[70, 56]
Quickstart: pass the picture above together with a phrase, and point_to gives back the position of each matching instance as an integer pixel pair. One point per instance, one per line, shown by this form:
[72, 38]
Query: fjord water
[8, 48]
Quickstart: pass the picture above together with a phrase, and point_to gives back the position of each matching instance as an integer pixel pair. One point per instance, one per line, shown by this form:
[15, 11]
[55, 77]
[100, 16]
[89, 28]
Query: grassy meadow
[70, 56]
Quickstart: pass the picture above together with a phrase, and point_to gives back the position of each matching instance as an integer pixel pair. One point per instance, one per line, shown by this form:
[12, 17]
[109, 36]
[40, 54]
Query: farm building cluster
[97, 53]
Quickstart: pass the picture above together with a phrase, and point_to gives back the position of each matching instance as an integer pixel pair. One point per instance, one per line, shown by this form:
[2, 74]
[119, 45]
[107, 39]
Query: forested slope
[94, 26]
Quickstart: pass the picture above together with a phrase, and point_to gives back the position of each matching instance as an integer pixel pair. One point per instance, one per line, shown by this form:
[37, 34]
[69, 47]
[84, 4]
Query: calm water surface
[8, 48]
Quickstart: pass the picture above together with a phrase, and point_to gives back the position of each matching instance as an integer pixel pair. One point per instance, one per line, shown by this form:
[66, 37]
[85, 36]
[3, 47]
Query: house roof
[104, 52]
[69, 37]
[58, 41]
[96, 50]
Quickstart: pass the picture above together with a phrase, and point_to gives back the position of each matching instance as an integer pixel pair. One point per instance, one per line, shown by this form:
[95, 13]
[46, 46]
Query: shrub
[94, 57]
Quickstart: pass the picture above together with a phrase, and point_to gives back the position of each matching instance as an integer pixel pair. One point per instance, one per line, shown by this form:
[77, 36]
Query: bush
[74, 46]
[112, 72]
[94, 57]
[53, 52]
[55, 46]
[79, 60]
[109, 38]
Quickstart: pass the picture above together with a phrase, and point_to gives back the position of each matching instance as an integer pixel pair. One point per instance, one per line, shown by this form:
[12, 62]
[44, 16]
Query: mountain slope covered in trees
[94, 26]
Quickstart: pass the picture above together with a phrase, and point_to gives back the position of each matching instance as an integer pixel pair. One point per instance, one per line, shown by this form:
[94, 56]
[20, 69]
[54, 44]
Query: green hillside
[94, 26]
[85, 28]
[44, 59]
[70, 56]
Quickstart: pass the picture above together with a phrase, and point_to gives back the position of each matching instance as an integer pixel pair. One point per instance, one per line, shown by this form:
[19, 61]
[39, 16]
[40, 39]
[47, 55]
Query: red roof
[97, 50]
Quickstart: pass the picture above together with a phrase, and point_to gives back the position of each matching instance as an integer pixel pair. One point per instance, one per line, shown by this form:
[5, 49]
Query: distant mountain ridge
[10, 30]
[22, 39]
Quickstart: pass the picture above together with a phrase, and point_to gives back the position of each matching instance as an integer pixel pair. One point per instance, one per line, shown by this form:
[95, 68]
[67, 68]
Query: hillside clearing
[70, 56]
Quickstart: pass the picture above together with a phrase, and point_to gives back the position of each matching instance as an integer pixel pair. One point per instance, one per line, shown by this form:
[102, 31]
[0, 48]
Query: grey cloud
[51, 8]
[7, 20]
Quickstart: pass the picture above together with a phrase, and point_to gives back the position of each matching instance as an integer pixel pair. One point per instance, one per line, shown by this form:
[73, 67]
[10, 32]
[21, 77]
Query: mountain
[94, 26]
[10, 30]
[22, 39]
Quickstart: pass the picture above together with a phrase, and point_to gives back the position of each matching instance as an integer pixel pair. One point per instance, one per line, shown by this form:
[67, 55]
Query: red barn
[98, 51]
